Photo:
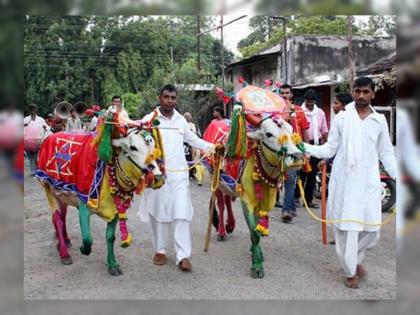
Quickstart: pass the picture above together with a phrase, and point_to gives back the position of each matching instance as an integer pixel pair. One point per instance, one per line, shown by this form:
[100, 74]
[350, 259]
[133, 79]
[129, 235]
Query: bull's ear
[256, 135]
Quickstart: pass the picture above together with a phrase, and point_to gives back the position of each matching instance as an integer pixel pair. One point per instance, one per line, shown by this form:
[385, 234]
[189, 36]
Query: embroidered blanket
[69, 161]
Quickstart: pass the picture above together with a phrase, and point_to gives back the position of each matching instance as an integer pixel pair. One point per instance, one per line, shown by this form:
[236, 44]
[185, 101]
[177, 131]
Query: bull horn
[254, 119]
[62, 110]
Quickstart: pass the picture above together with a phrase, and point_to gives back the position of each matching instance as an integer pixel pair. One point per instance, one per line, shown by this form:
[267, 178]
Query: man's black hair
[115, 97]
[344, 98]
[287, 86]
[364, 81]
[168, 87]
[310, 95]
[32, 108]
[220, 110]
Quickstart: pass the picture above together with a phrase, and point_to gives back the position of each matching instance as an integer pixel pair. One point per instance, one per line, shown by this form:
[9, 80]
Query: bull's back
[68, 161]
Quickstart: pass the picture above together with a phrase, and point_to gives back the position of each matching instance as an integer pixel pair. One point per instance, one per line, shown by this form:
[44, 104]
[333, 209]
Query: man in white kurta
[359, 138]
[34, 121]
[171, 204]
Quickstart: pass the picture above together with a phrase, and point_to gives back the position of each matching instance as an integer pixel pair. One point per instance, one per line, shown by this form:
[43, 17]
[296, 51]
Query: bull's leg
[63, 210]
[257, 268]
[113, 267]
[84, 219]
[221, 233]
[59, 228]
[230, 224]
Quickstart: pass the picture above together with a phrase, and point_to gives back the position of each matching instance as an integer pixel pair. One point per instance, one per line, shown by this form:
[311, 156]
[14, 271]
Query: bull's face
[139, 147]
[276, 134]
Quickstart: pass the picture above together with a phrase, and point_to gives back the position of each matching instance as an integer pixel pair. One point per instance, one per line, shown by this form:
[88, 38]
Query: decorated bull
[265, 146]
[98, 174]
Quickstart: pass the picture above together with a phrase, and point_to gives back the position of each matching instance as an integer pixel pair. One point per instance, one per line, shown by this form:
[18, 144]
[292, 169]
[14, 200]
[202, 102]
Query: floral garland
[262, 168]
[122, 197]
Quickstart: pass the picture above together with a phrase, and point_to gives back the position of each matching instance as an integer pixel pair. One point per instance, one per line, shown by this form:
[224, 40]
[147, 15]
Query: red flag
[268, 83]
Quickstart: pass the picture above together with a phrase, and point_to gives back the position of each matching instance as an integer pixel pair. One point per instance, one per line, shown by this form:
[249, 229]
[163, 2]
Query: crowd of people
[357, 140]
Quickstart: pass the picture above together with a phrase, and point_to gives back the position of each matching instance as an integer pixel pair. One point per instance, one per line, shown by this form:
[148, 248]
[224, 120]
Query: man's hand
[217, 148]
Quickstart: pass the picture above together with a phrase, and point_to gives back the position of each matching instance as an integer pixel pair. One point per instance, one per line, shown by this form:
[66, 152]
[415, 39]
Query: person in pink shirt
[317, 134]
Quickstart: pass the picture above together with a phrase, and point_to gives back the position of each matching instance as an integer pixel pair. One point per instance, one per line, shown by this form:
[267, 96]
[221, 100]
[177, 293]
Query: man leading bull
[172, 203]
[359, 139]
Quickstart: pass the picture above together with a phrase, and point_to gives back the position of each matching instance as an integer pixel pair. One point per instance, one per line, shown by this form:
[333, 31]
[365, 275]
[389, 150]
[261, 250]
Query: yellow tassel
[92, 203]
[238, 188]
[122, 216]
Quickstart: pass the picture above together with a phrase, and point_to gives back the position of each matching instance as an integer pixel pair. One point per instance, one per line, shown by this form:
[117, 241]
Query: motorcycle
[389, 191]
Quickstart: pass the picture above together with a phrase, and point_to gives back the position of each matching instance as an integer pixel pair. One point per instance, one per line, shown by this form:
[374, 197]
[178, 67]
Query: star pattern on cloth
[60, 161]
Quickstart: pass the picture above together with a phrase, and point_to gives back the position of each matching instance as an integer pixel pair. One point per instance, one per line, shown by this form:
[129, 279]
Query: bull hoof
[85, 250]
[66, 260]
[221, 238]
[257, 273]
[230, 227]
[115, 271]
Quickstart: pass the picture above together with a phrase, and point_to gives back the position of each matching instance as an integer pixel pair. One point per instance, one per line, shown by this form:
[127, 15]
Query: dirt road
[297, 265]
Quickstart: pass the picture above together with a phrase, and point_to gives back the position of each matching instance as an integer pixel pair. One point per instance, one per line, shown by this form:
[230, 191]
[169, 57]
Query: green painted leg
[257, 268]
[84, 219]
[113, 267]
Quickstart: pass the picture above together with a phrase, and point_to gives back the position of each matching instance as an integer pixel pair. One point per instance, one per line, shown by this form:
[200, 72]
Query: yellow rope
[302, 193]
[217, 162]
[189, 168]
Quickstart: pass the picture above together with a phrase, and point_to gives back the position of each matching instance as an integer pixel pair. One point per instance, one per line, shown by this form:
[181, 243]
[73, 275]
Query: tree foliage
[92, 58]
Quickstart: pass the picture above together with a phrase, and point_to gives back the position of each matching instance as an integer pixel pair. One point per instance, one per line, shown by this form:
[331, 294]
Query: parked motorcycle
[389, 191]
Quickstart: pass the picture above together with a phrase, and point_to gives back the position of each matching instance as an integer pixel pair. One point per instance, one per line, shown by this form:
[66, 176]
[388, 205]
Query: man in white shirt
[73, 123]
[33, 120]
[93, 123]
[318, 134]
[359, 139]
[117, 105]
[171, 204]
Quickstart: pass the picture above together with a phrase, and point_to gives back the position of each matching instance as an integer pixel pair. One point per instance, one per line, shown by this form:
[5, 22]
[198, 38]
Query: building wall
[328, 55]
[254, 74]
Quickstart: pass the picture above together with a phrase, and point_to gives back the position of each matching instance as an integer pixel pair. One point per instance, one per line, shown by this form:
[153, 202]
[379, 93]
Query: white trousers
[351, 248]
[181, 235]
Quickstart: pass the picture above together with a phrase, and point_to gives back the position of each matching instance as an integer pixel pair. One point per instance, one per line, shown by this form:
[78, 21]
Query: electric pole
[198, 44]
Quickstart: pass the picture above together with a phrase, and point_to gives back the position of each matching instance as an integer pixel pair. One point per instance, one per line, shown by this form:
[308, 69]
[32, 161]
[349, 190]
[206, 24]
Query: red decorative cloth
[70, 158]
[217, 131]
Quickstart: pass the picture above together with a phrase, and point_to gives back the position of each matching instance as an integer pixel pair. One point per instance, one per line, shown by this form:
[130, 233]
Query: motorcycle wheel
[389, 194]
[318, 186]
[318, 189]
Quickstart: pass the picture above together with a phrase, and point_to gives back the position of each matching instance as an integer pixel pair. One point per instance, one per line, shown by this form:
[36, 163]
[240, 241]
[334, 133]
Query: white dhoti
[181, 233]
[351, 248]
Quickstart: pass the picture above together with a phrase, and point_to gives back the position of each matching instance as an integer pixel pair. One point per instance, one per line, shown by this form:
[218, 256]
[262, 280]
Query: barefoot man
[359, 138]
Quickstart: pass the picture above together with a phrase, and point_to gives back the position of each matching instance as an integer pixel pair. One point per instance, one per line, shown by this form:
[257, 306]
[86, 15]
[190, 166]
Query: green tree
[322, 25]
